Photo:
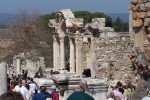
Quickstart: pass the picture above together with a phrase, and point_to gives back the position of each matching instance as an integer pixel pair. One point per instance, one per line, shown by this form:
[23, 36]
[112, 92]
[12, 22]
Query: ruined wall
[140, 10]
[112, 55]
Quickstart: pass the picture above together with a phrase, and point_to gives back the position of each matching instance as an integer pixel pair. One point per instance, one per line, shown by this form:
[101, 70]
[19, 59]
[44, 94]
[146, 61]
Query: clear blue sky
[48, 6]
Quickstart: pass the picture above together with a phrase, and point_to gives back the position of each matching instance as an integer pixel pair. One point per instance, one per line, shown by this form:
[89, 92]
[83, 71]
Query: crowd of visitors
[127, 92]
[27, 89]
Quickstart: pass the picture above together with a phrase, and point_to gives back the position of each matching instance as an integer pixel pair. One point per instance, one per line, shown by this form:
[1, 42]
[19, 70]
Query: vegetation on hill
[120, 26]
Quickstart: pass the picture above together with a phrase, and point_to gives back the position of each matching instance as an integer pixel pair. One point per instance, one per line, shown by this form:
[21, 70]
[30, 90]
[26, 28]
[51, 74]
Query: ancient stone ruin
[141, 28]
[86, 47]
[93, 47]
[140, 10]
[35, 66]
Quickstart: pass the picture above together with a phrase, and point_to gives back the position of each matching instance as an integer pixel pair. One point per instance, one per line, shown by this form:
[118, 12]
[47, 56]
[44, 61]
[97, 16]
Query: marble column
[55, 53]
[72, 56]
[92, 57]
[18, 65]
[58, 56]
[130, 24]
[62, 53]
[3, 78]
[79, 67]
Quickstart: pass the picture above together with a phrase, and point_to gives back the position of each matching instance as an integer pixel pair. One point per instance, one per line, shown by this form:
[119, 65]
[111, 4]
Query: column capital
[71, 41]
[61, 39]
[54, 39]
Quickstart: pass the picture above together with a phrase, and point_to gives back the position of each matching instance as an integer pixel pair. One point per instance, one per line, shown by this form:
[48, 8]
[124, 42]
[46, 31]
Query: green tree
[119, 25]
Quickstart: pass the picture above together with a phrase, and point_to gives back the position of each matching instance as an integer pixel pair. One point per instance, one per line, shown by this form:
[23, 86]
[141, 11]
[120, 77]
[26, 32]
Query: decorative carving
[61, 40]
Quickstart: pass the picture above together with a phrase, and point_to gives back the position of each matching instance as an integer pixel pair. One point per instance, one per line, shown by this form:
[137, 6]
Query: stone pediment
[51, 23]
[98, 22]
[67, 14]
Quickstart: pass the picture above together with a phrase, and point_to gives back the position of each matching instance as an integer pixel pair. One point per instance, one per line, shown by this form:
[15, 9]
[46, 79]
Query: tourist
[8, 82]
[28, 80]
[80, 94]
[29, 91]
[43, 95]
[51, 72]
[146, 97]
[24, 91]
[111, 96]
[12, 85]
[119, 85]
[118, 93]
[18, 87]
[11, 96]
[33, 86]
[54, 94]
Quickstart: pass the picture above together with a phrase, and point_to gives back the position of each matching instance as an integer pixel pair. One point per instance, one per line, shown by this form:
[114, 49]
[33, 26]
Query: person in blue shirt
[43, 95]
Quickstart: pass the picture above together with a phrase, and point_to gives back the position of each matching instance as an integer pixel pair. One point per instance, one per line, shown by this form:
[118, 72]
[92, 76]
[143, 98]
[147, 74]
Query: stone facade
[68, 82]
[97, 47]
[114, 50]
[140, 21]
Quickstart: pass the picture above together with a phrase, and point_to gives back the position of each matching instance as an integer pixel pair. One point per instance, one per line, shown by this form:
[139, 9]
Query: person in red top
[54, 94]
[12, 85]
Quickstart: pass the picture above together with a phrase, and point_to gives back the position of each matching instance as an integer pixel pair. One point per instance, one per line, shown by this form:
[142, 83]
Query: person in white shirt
[24, 91]
[33, 87]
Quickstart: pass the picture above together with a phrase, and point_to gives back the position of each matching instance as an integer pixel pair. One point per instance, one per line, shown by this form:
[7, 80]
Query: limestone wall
[140, 10]
[111, 55]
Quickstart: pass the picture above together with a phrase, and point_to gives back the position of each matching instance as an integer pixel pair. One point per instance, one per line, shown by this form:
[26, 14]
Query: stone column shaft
[3, 78]
[72, 56]
[79, 67]
[55, 51]
[18, 66]
[130, 25]
[62, 53]
[58, 57]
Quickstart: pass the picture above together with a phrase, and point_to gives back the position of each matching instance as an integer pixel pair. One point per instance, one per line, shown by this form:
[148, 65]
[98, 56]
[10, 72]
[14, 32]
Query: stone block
[134, 2]
[145, 1]
[134, 15]
[133, 8]
[51, 23]
[140, 7]
[78, 22]
[141, 14]
[148, 13]
[146, 21]
[148, 29]
[147, 6]
[98, 22]
[67, 13]
[137, 23]
[140, 1]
